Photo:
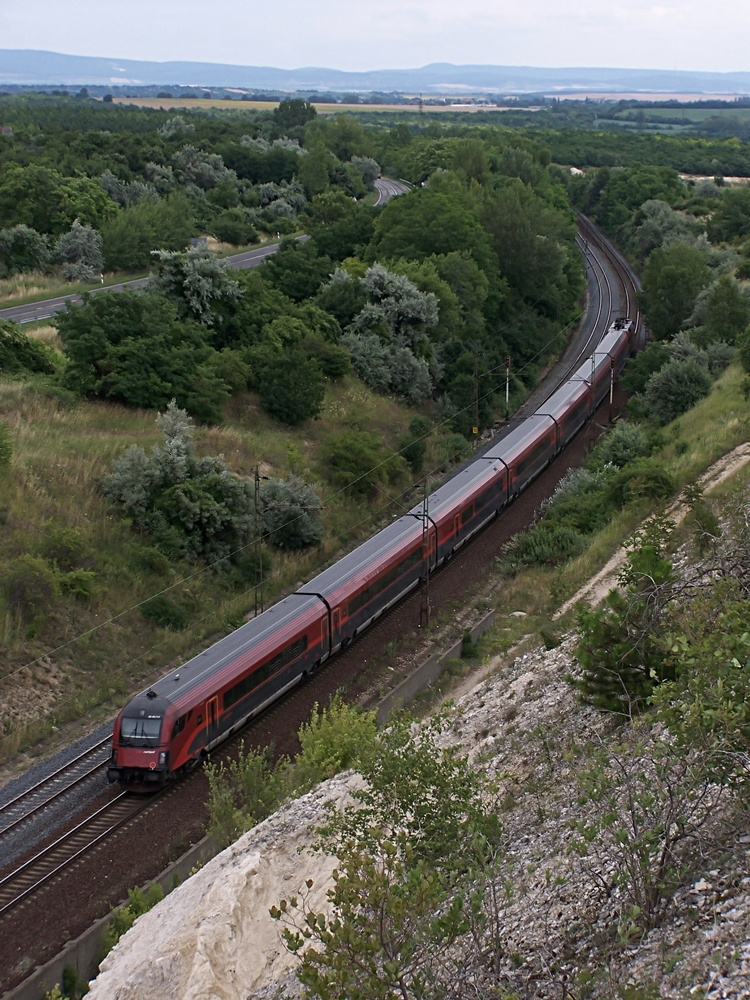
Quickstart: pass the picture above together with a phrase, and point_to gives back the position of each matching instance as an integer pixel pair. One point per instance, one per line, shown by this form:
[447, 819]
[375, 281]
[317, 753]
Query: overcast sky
[387, 34]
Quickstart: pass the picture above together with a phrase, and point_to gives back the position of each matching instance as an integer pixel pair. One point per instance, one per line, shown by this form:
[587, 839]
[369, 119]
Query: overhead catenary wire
[199, 571]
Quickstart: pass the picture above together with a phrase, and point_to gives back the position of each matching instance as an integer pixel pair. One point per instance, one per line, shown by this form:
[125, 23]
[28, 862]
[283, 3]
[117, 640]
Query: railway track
[56, 857]
[50, 866]
[27, 805]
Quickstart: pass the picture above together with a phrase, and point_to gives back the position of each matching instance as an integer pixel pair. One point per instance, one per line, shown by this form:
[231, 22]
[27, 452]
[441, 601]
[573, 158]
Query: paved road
[36, 311]
[388, 189]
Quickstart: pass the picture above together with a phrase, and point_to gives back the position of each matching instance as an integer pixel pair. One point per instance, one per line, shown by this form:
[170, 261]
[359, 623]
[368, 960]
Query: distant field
[690, 115]
[167, 104]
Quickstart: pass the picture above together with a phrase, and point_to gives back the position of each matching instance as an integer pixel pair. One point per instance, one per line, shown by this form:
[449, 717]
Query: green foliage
[196, 280]
[705, 707]
[624, 443]
[243, 792]
[290, 513]
[672, 279]
[165, 612]
[124, 917]
[191, 508]
[80, 252]
[292, 387]
[727, 311]
[393, 925]
[416, 856]
[135, 349]
[413, 447]
[74, 986]
[336, 738]
[29, 585]
[357, 460]
[19, 354]
[646, 808]
[297, 269]
[639, 369]
[6, 445]
[293, 112]
[429, 792]
[129, 238]
[23, 250]
[544, 544]
[388, 368]
[639, 479]
[619, 647]
[675, 388]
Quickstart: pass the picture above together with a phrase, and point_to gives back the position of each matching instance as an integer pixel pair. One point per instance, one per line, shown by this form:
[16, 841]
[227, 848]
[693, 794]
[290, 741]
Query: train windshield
[141, 731]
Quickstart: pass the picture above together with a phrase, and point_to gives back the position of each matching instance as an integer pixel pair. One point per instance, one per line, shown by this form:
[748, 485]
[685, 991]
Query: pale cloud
[362, 34]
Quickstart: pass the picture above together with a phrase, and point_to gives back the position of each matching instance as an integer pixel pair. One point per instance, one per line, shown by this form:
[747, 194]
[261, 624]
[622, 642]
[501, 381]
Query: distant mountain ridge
[32, 67]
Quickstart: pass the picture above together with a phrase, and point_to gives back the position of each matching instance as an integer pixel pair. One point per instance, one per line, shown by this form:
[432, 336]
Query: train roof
[558, 403]
[519, 438]
[185, 678]
[387, 542]
[466, 483]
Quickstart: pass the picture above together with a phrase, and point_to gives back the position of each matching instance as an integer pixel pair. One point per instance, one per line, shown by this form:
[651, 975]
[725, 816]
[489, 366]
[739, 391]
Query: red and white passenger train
[197, 705]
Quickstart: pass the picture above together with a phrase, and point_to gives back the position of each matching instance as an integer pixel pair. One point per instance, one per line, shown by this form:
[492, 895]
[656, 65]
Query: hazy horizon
[354, 36]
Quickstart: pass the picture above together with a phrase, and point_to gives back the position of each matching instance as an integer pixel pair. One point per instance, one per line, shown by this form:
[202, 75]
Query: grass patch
[95, 640]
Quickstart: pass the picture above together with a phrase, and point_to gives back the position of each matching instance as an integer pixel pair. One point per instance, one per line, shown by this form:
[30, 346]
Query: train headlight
[163, 757]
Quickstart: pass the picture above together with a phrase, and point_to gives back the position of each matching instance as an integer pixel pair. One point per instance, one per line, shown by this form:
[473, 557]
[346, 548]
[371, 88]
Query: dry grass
[103, 648]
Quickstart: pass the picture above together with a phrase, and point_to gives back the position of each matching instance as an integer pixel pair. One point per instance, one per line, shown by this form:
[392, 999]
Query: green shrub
[625, 442]
[163, 611]
[333, 740]
[79, 583]
[20, 354]
[242, 792]
[645, 477]
[124, 917]
[545, 544]
[675, 388]
[6, 445]
[30, 585]
[65, 547]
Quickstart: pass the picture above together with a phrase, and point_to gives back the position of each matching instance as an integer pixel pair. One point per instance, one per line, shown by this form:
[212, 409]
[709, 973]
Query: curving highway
[33, 312]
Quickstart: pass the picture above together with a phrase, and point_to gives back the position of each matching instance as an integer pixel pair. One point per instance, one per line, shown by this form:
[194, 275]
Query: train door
[325, 639]
[335, 626]
[456, 529]
[212, 718]
[429, 546]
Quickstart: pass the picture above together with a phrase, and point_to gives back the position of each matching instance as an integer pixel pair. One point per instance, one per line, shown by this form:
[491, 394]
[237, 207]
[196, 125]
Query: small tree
[675, 388]
[20, 354]
[22, 250]
[80, 252]
[645, 808]
[619, 647]
[192, 508]
[292, 387]
[195, 279]
[357, 460]
[290, 513]
[625, 442]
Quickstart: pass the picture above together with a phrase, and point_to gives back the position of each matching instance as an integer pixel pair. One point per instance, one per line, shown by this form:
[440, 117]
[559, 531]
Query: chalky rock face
[213, 936]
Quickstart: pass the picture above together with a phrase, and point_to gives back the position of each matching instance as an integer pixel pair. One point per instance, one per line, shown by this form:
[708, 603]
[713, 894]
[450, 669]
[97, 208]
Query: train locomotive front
[140, 745]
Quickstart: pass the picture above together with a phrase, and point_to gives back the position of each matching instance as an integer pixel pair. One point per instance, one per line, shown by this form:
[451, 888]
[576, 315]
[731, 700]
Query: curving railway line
[86, 861]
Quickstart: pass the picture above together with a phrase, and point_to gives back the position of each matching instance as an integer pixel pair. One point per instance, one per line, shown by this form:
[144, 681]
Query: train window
[467, 514]
[527, 462]
[179, 726]
[138, 732]
[253, 680]
[379, 585]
